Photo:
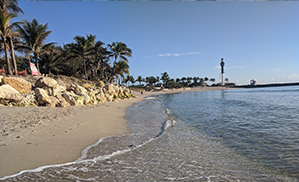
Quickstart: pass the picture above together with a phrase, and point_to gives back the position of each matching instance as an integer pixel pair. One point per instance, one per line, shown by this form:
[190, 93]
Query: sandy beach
[37, 136]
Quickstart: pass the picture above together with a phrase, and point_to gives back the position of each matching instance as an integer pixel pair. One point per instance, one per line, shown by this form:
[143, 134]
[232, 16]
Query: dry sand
[31, 137]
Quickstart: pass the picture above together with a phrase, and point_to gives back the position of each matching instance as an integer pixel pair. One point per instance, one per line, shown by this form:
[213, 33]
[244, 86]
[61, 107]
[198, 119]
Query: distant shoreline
[267, 85]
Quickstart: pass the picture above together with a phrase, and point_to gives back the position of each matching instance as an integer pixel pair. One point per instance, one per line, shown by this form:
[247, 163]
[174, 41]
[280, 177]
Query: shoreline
[60, 138]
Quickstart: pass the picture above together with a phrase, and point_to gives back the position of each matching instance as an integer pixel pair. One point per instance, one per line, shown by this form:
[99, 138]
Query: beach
[38, 136]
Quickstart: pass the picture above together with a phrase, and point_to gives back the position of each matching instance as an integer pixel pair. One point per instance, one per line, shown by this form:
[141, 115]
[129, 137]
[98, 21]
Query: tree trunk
[36, 59]
[85, 70]
[7, 58]
[13, 57]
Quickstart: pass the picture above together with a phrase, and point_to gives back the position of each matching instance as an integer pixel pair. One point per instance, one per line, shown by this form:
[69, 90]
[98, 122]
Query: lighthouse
[222, 72]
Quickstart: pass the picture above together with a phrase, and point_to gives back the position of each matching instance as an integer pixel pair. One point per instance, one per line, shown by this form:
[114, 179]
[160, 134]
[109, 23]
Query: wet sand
[31, 137]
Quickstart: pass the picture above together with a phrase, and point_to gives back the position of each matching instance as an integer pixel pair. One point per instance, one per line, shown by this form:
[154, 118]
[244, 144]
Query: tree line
[85, 57]
[154, 81]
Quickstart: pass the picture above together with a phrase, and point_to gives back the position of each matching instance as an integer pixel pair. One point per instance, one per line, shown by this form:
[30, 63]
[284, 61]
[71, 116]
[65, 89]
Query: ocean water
[228, 135]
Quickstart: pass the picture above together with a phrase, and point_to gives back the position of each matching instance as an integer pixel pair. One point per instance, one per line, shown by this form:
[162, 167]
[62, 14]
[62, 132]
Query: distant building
[253, 82]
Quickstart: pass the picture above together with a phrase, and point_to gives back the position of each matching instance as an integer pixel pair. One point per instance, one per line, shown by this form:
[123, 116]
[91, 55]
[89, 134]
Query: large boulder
[48, 84]
[100, 96]
[42, 96]
[108, 89]
[72, 99]
[21, 85]
[100, 84]
[77, 89]
[29, 100]
[93, 97]
[54, 102]
[62, 101]
[9, 95]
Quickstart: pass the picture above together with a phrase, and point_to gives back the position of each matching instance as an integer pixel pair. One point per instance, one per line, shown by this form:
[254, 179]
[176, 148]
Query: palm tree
[10, 6]
[177, 80]
[5, 31]
[50, 60]
[164, 77]
[121, 68]
[83, 48]
[184, 79]
[34, 36]
[119, 50]
[139, 79]
[212, 80]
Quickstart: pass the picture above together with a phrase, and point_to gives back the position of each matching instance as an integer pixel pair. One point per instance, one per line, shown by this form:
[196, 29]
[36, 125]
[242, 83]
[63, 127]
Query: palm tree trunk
[85, 69]
[7, 58]
[13, 57]
[36, 59]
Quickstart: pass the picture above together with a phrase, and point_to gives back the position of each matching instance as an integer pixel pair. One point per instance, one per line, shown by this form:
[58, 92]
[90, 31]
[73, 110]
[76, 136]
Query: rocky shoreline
[46, 91]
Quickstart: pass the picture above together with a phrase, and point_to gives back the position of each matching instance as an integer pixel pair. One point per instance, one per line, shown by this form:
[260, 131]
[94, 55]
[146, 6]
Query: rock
[100, 96]
[54, 101]
[62, 101]
[77, 89]
[93, 98]
[109, 97]
[72, 99]
[58, 90]
[46, 82]
[9, 95]
[86, 98]
[108, 89]
[42, 96]
[100, 84]
[21, 85]
[29, 100]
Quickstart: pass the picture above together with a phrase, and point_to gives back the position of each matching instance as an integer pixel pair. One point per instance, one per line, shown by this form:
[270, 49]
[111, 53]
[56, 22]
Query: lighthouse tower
[222, 72]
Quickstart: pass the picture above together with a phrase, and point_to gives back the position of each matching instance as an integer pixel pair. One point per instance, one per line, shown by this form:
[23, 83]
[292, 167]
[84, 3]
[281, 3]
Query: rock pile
[46, 91]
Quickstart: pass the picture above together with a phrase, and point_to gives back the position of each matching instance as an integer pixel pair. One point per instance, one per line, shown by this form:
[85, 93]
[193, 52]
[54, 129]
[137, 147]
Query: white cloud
[191, 53]
[175, 54]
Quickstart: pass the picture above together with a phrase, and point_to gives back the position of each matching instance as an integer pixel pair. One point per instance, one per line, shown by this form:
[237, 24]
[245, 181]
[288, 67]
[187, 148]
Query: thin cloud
[175, 55]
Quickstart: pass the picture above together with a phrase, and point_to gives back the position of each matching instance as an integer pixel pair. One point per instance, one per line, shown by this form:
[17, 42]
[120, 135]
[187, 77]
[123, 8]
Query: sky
[257, 40]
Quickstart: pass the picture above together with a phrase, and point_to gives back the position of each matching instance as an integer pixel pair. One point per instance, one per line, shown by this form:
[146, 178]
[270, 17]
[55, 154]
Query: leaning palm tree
[11, 6]
[34, 35]
[5, 31]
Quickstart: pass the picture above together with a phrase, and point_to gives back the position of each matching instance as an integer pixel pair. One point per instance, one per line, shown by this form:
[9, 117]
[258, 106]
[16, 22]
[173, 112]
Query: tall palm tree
[5, 31]
[11, 6]
[121, 68]
[119, 50]
[34, 36]
[164, 77]
[83, 48]
[139, 79]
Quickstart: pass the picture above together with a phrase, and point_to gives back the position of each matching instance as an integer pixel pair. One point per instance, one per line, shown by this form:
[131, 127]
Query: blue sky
[257, 40]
